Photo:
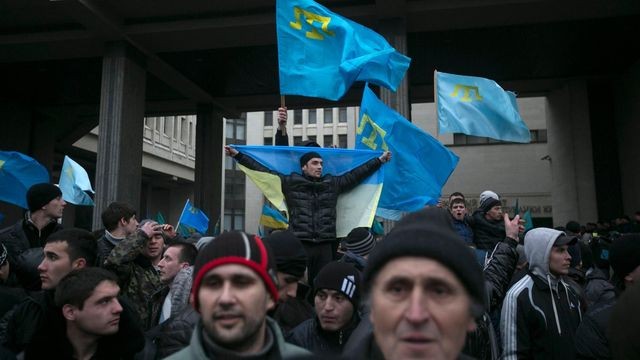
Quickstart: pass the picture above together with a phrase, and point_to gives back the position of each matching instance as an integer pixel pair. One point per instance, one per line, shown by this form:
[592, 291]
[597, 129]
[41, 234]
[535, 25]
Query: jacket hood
[537, 247]
[181, 289]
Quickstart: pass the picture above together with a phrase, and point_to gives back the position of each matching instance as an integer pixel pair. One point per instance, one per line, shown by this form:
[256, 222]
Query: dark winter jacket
[106, 243]
[591, 338]
[175, 333]
[24, 235]
[309, 335]
[541, 313]
[598, 289]
[486, 233]
[464, 230]
[25, 319]
[312, 201]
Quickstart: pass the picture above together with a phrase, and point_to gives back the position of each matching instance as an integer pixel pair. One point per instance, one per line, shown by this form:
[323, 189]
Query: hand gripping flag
[355, 208]
[74, 181]
[192, 220]
[18, 172]
[478, 106]
[321, 53]
[420, 167]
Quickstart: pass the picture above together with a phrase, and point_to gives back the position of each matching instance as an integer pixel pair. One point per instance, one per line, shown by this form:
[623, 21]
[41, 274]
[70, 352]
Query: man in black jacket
[311, 198]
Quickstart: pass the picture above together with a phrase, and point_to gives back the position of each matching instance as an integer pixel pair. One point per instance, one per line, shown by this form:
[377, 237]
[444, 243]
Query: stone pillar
[395, 31]
[573, 194]
[209, 163]
[121, 119]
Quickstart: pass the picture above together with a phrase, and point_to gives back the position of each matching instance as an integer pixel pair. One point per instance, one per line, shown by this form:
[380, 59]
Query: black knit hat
[360, 241]
[304, 159]
[3, 254]
[236, 248]
[39, 195]
[288, 252]
[429, 233]
[342, 277]
[624, 254]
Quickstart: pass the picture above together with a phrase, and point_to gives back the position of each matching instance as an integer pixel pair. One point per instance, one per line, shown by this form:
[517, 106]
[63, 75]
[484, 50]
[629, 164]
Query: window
[328, 140]
[158, 123]
[297, 140]
[191, 132]
[268, 118]
[328, 116]
[537, 136]
[229, 129]
[268, 141]
[342, 115]
[312, 116]
[240, 131]
[166, 127]
[233, 219]
[297, 117]
[238, 222]
[184, 130]
[229, 163]
[148, 122]
[342, 141]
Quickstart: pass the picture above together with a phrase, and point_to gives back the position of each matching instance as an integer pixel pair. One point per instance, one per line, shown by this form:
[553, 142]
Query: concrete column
[569, 142]
[209, 163]
[395, 31]
[122, 102]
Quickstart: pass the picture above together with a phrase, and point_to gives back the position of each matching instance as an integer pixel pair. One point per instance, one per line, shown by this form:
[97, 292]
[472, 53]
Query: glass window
[184, 130]
[166, 127]
[342, 141]
[312, 116]
[229, 163]
[268, 141]
[268, 118]
[240, 131]
[238, 222]
[342, 115]
[297, 117]
[227, 222]
[229, 129]
[328, 115]
[297, 140]
[328, 140]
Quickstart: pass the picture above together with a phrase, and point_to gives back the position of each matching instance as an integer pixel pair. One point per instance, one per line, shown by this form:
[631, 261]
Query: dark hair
[80, 244]
[114, 212]
[78, 285]
[456, 194]
[457, 201]
[188, 252]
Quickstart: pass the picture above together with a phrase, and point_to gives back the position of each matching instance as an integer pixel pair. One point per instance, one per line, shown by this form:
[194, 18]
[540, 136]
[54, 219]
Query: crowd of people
[442, 284]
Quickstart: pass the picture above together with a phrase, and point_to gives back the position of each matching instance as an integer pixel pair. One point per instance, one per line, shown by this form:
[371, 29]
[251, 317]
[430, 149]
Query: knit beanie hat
[235, 248]
[360, 241]
[624, 254]
[342, 277]
[39, 195]
[429, 233]
[488, 199]
[304, 159]
[290, 256]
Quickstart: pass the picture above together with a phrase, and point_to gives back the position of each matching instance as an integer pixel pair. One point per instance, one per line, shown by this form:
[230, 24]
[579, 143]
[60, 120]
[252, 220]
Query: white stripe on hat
[345, 285]
[247, 247]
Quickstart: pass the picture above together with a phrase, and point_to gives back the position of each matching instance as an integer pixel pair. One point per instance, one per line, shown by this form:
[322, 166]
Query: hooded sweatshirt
[541, 313]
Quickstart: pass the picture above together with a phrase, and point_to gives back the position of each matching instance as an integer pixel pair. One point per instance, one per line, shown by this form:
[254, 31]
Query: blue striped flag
[74, 183]
[273, 218]
[478, 106]
[18, 172]
[192, 220]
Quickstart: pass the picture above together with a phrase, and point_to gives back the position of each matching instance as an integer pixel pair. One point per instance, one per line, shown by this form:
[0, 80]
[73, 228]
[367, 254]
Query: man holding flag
[311, 199]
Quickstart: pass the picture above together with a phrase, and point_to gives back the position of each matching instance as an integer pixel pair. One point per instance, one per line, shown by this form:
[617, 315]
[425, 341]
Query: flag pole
[435, 100]
[182, 213]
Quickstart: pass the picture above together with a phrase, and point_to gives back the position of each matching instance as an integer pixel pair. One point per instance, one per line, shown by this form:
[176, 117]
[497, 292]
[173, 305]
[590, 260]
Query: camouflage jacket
[137, 277]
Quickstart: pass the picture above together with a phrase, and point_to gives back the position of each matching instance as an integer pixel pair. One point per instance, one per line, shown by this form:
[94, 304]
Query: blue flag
[18, 172]
[321, 53]
[74, 181]
[478, 106]
[192, 220]
[355, 208]
[420, 166]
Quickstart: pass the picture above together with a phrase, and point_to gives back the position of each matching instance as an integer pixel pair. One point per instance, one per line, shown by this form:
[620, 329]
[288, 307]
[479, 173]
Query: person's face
[56, 264]
[333, 308]
[130, 226]
[495, 213]
[419, 310]
[100, 314]
[170, 264]
[458, 211]
[4, 271]
[559, 260]
[153, 247]
[233, 303]
[313, 168]
[287, 286]
[55, 207]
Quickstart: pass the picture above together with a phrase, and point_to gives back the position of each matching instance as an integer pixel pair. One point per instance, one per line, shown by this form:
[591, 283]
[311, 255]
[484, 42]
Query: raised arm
[247, 161]
[282, 139]
[352, 178]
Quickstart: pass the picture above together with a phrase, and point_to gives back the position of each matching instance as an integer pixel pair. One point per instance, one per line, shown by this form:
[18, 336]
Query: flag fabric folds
[420, 166]
[18, 172]
[528, 220]
[192, 220]
[74, 181]
[478, 106]
[321, 53]
[273, 218]
[355, 208]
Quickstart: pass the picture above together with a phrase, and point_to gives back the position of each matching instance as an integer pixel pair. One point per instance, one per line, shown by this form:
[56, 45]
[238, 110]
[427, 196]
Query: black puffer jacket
[24, 235]
[309, 335]
[312, 201]
[175, 333]
[486, 233]
[591, 337]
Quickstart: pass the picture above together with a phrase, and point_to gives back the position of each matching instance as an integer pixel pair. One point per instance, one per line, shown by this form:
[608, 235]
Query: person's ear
[271, 304]
[69, 312]
[79, 263]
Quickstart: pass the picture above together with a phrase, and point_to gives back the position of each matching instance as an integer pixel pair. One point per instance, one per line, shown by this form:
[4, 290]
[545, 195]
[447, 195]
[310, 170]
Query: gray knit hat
[360, 241]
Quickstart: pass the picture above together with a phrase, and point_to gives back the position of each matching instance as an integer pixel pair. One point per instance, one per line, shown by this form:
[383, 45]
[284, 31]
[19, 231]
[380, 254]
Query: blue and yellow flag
[420, 165]
[74, 183]
[192, 220]
[18, 172]
[273, 218]
[478, 106]
[355, 208]
[321, 53]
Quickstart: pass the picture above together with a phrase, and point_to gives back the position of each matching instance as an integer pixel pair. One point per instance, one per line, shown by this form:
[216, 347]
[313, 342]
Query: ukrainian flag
[272, 218]
[355, 208]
